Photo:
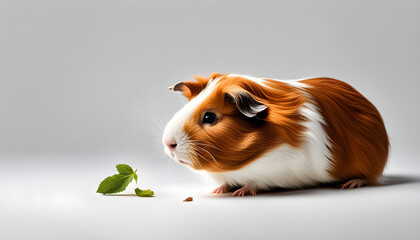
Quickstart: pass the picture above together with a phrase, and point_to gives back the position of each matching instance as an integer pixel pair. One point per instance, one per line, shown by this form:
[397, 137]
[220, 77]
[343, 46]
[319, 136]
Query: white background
[83, 87]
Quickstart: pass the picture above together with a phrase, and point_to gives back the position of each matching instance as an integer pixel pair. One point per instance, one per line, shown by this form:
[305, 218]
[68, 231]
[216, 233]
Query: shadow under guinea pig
[390, 180]
[385, 181]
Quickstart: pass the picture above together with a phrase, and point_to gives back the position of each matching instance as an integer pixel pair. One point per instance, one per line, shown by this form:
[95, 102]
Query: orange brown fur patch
[355, 127]
[237, 140]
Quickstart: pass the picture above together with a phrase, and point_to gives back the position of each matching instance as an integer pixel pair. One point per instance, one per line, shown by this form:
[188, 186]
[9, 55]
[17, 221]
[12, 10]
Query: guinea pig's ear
[191, 89]
[188, 88]
[177, 87]
[247, 104]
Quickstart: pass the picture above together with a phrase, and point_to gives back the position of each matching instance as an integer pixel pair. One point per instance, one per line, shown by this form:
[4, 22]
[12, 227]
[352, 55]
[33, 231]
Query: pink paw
[354, 183]
[246, 190]
[222, 189]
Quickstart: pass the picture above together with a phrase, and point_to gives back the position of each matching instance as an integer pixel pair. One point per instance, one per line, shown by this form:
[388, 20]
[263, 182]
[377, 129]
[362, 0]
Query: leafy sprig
[119, 182]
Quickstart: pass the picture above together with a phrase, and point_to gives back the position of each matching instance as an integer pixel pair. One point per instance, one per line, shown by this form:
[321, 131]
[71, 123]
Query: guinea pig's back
[359, 142]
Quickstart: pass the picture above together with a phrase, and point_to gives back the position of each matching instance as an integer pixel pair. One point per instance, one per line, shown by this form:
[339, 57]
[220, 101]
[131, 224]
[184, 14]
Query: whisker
[160, 120]
[193, 154]
[200, 155]
[149, 115]
[165, 117]
[208, 153]
[196, 160]
[204, 144]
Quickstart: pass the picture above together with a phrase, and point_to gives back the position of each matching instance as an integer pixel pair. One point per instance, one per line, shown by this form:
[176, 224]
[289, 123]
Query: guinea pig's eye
[209, 118]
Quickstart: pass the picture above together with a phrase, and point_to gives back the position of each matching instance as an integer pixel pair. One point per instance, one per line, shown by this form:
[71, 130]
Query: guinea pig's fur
[271, 133]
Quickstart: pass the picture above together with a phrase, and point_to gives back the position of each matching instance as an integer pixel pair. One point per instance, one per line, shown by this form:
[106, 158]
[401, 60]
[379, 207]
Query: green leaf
[118, 182]
[115, 183]
[144, 193]
[124, 169]
[135, 177]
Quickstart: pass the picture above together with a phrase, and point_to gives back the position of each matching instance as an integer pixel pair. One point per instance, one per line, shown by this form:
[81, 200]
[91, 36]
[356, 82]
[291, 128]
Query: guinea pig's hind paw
[222, 189]
[353, 183]
[246, 190]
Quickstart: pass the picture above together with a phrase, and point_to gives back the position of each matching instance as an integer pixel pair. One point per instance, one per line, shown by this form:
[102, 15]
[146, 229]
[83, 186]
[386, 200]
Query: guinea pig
[253, 134]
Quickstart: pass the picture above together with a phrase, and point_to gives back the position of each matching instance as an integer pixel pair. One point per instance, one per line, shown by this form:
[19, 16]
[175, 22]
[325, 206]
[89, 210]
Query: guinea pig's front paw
[248, 189]
[222, 189]
[353, 183]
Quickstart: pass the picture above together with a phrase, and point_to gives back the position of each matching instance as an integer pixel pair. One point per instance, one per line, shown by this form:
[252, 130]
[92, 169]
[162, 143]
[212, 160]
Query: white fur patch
[261, 81]
[175, 127]
[286, 166]
[254, 79]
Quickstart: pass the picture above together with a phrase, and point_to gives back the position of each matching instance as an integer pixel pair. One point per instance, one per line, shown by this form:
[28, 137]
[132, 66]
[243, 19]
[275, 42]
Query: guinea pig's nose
[171, 145]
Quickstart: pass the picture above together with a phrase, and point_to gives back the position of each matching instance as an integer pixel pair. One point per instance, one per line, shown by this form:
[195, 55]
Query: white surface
[52, 201]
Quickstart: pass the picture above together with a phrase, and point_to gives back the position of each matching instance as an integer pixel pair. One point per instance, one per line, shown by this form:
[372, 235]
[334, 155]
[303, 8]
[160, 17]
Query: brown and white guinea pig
[256, 133]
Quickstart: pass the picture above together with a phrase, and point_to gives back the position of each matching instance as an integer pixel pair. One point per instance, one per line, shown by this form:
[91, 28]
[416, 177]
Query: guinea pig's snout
[171, 144]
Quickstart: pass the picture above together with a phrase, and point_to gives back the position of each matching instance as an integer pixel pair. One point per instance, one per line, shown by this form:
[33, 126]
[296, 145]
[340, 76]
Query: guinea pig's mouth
[179, 154]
